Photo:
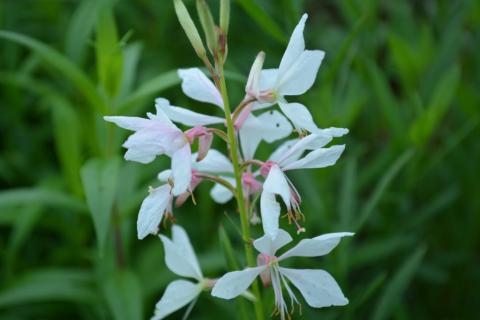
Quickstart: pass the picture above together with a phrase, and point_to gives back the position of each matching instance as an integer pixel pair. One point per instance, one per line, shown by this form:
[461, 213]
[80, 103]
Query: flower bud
[253, 83]
[224, 16]
[189, 27]
[208, 25]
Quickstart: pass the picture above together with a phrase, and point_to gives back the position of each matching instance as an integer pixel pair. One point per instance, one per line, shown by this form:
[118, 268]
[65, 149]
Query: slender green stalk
[239, 192]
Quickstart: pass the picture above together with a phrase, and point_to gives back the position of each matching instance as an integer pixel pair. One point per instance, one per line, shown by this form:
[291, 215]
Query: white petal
[317, 287]
[176, 259]
[319, 158]
[180, 239]
[332, 131]
[250, 137]
[190, 118]
[284, 150]
[151, 211]
[129, 123]
[235, 283]
[220, 194]
[295, 46]
[268, 78]
[214, 162]
[278, 184]
[164, 175]
[274, 126]
[181, 169]
[270, 211]
[269, 126]
[269, 246]
[315, 247]
[161, 116]
[301, 75]
[299, 115]
[196, 85]
[177, 295]
[310, 142]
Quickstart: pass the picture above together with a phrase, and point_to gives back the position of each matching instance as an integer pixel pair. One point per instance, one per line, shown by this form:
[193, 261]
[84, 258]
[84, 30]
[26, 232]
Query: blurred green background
[403, 76]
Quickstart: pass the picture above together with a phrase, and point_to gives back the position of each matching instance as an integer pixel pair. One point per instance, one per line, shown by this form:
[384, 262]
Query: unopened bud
[253, 83]
[208, 25]
[224, 16]
[189, 27]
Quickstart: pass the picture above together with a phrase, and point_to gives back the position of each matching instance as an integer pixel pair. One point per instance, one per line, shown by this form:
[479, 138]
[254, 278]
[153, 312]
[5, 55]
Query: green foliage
[403, 76]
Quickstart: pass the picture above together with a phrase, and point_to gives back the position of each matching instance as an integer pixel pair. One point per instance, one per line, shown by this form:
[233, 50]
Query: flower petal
[333, 131]
[164, 175]
[253, 82]
[177, 259]
[214, 162]
[269, 126]
[181, 240]
[190, 118]
[220, 194]
[301, 75]
[274, 126]
[181, 169]
[204, 144]
[197, 86]
[129, 123]
[269, 246]
[315, 247]
[177, 295]
[270, 211]
[317, 287]
[235, 283]
[295, 46]
[299, 115]
[278, 184]
[151, 211]
[319, 158]
[295, 148]
[268, 78]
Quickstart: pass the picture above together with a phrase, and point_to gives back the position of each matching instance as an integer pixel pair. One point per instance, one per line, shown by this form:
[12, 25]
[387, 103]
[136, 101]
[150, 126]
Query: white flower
[181, 260]
[295, 75]
[317, 286]
[289, 157]
[152, 210]
[157, 135]
[269, 126]
[214, 163]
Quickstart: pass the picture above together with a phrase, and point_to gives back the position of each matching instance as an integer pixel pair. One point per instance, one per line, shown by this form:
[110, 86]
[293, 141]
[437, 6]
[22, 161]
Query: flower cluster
[240, 174]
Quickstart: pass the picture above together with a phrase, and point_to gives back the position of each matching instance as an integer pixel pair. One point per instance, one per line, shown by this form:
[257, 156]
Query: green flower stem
[239, 193]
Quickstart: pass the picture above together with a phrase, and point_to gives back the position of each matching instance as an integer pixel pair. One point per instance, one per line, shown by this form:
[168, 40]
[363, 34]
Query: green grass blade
[31, 196]
[61, 64]
[381, 187]
[99, 179]
[263, 19]
[148, 90]
[394, 290]
[124, 295]
[80, 29]
[49, 285]
[108, 52]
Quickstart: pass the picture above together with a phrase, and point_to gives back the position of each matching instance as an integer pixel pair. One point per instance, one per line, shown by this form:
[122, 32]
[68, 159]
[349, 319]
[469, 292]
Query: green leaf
[149, 89]
[49, 285]
[263, 19]
[68, 140]
[26, 196]
[62, 64]
[392, 294]
[80, 29]
[381, 187]
[124, 295]
[108, 52]
[99, 179]
[443, 94]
